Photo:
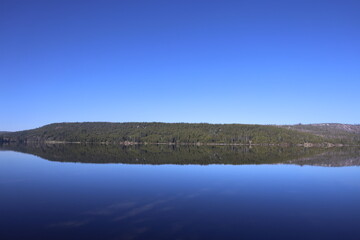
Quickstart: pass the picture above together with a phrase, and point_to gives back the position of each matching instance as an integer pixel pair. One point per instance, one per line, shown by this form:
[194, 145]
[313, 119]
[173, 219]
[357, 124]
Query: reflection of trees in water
[175, 154]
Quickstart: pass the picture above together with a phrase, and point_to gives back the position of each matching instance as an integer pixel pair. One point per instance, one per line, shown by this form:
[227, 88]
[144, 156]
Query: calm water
[65, 199]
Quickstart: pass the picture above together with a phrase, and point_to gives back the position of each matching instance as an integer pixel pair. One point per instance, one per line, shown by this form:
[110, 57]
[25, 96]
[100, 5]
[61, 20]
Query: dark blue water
[41, 199]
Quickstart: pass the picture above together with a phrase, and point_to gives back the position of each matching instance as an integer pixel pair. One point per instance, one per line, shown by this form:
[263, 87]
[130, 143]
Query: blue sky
[263, 62]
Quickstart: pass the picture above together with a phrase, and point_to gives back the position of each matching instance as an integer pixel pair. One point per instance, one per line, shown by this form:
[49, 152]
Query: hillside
[344, 133]
[174, 133]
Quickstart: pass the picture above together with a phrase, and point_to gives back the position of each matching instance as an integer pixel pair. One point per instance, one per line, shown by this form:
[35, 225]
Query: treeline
[174, 133]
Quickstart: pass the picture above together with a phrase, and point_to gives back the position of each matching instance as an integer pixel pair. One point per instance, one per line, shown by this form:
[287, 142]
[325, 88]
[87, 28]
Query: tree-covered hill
[137, 132]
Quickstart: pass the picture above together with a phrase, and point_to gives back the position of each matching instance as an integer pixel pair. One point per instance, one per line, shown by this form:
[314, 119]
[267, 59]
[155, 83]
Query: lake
[74, 191]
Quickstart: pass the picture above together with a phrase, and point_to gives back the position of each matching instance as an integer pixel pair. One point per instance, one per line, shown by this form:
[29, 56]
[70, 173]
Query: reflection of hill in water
[202, 155]
[335, 158]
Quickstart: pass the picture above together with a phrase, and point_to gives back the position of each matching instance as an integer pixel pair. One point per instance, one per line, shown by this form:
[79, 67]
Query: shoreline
[128, 143]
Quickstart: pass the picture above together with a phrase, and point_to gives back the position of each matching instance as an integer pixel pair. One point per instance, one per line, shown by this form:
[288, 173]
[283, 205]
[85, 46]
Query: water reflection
[175, 194]
[202, 155]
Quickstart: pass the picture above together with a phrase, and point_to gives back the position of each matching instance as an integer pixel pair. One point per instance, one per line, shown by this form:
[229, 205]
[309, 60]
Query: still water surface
[43, 199]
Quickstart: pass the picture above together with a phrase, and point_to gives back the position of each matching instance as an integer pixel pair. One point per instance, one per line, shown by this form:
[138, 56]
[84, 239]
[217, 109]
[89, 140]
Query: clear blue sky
[264, 62]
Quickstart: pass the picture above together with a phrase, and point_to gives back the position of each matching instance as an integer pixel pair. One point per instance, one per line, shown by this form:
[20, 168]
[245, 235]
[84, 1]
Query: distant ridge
[333, 131]
[188, 133]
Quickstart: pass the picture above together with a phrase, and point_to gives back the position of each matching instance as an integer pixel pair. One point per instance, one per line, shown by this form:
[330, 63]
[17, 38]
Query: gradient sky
[264, 62]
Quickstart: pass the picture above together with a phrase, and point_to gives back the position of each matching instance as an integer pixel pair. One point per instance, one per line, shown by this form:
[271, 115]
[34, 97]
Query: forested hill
[162, 133]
